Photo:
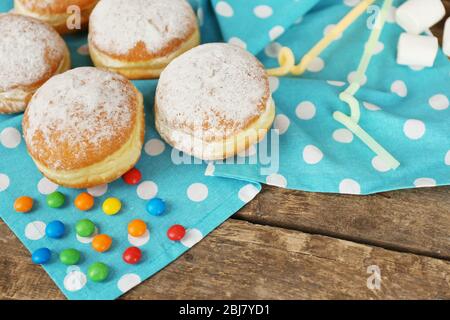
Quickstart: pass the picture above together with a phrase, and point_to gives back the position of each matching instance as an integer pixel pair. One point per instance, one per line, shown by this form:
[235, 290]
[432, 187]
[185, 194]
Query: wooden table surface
[293, 245]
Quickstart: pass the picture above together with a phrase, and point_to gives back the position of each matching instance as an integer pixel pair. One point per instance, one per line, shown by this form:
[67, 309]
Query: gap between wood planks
[337, 236]
[412, 221]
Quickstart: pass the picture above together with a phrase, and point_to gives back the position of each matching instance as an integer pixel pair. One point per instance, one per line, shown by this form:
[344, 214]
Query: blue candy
[156, 206]
[55, 229]
[41, 256]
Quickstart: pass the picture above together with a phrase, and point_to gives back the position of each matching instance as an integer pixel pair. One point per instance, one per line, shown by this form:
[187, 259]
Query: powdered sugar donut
[214, 101]
[85, 127]
[66, 16]
[138, 38]
[30, 53]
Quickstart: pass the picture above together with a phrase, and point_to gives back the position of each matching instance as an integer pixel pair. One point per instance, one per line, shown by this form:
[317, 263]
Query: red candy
[132, 255]
[176, 232]
[133, 176]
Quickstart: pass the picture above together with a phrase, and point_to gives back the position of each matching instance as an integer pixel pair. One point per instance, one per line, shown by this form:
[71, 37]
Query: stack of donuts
[84, 127]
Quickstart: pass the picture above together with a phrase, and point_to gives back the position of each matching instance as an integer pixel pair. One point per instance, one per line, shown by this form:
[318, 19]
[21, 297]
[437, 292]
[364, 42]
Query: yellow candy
[111, 206]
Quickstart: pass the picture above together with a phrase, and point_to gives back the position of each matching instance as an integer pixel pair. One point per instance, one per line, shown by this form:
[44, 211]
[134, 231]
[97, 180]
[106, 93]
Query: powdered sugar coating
[30, 51]
[41, 4]
[214, 90]
[53, 6]
[119, 26]
[79, 117]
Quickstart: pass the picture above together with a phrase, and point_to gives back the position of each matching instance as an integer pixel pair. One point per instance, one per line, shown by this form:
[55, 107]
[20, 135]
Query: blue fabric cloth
[405, 109]
[198, 202]
[316, 153]
[258, 22]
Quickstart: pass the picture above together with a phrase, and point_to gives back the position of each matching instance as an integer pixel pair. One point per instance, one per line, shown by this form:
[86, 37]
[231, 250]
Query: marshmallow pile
[416, 17]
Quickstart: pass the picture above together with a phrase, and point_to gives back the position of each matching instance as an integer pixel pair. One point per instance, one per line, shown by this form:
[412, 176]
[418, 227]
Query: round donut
[66, 16]
[214, 101]
[85, 127]
[139, 38]
[30, 53]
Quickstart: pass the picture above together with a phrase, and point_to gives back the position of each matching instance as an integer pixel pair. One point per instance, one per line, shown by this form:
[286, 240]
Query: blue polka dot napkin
[253, 24]
[194, 200]
[406, 109]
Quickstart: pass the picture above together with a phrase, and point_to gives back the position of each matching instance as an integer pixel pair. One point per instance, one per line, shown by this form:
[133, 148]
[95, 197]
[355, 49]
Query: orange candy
[23, 204]
[101, 243]
[137, 228]
[84, 201]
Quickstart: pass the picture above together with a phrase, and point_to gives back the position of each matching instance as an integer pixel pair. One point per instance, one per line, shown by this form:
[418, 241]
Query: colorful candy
[41, 256]
[156, 206]
[111, 206]
[132, 255]
[70, 257]
[137, 228]
[101, 243]
[85, 228]
[132, 177]
[55, 199]
[98, 272]
[176, 232]
[55, 229]
[84, 201]
[23, 204]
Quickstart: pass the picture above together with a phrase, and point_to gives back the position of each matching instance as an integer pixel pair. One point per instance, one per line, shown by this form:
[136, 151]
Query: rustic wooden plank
[241, 260]
[416, 220]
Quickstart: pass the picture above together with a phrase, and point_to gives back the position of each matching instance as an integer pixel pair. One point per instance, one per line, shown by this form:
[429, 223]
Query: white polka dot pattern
[248, 192]
[139, 241]
[128, 282]
[191, 238]
[4, 182]
[312, 155]
[147, 190]
[349, 186]
[75, 280]
[10, 138]
[224, 9]
[35, 230]
[46, 186]
[197, 192]
[154, 147]
[277, 180]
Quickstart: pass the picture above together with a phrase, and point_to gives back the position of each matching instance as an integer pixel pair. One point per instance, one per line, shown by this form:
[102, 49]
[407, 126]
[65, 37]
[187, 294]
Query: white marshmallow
[416, 16]
[418, 51]
[446, 39]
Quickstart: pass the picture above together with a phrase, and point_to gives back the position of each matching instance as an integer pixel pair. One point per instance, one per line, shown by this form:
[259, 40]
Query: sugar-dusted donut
[138, 38]
[66, 16]
[85, 127]
[213, 102]
[30, 53]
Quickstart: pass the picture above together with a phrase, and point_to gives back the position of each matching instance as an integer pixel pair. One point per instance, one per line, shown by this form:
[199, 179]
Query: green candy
[55, 199]
[98, 272]
[70, 257]
[85, 228]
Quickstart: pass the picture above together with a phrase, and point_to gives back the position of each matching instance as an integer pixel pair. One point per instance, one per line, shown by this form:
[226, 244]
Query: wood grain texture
[416, 220]
[241, 260]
